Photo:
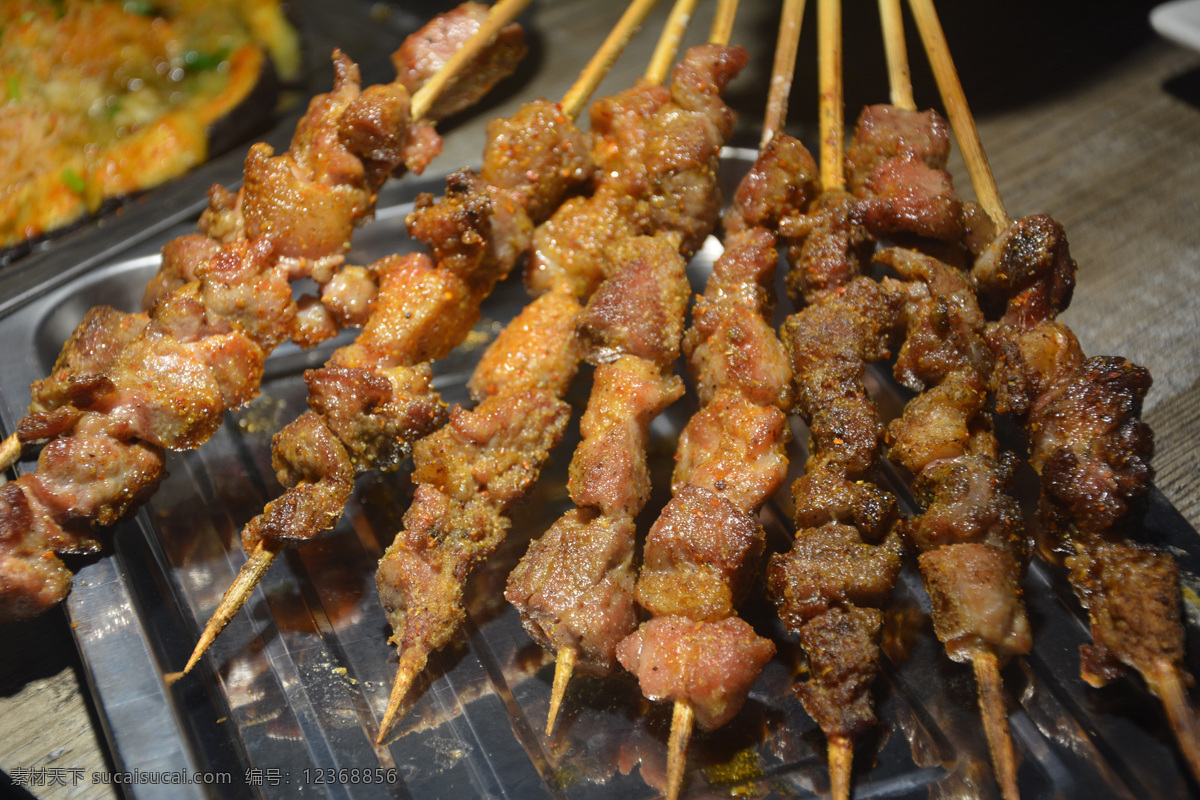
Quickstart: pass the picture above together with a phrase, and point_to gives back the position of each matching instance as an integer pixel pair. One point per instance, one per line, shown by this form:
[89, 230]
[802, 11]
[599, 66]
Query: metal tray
[287, 702]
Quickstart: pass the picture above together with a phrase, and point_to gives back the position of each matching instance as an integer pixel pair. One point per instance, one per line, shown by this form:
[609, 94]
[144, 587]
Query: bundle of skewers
[884, 263]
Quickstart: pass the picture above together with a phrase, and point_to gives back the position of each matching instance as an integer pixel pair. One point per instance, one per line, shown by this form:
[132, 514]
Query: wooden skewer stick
[502, 13]
[961, 120]
[841, 765]
[669, 41]
[992, 708]
[683, 715]
[833, 178]
[564, 667]
[896, 51]
[660, 63]
[831, 114]
[722, 27]
[577, 96]
[261, 558]
[234, 598]
[783, 69]
[995, 721]
[413, 660]
[411, 664]
[683, 720]
[1164, 681]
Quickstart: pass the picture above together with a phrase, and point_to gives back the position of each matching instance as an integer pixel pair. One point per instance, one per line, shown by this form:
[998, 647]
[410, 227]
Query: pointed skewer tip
[411, 663]
[1164, 680]
[564, 666]
[235, 597]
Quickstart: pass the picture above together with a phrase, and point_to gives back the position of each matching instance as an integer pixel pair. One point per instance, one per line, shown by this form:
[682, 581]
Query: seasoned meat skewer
[830, 587]
[478, 231]
[846, 556]
[1092, 452]
[670, 138]
[574, 586]
[702, 554]
[456, 520]
[970, 533]
[723, 63]
[630, 199]
[1086, 440]
[129, 386]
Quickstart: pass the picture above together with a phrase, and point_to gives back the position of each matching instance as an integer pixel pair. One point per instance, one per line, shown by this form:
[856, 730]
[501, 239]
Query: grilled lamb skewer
[702, 554]
[970, 533]
[644, 178]
[846, 557]
[1087, 443]
[721, 63]
[478, 231]
[127, 387]
[1092, 452]
[573, 588]
[444, 530]
[574, 585]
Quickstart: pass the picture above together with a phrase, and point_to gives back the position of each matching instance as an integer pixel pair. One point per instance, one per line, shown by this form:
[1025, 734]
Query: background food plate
[1178, 21]
[288, 700]
[367, 32]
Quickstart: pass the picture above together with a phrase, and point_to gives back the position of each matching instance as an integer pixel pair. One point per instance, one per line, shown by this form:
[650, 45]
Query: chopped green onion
[13, 87]
[73, 180]
[194, 61]
[143, 8]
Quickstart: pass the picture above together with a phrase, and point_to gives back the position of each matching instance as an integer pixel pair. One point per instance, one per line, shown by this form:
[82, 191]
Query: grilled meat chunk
[700, 557]
[843, 654]
[712, 665]
[735, 449]
[609, 469]
[639, 310]
[574, 587]
[976, 593]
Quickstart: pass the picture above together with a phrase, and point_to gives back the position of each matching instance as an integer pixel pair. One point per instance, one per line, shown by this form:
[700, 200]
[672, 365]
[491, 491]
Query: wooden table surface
[1085, 114]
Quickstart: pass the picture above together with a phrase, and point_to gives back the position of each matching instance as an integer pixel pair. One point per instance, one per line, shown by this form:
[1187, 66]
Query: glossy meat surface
[574, 587]
[700, 557]
[710, 664]
[609, 469]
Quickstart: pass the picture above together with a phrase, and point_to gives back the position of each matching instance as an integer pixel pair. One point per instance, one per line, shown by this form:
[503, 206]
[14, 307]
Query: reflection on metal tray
[289, 698]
